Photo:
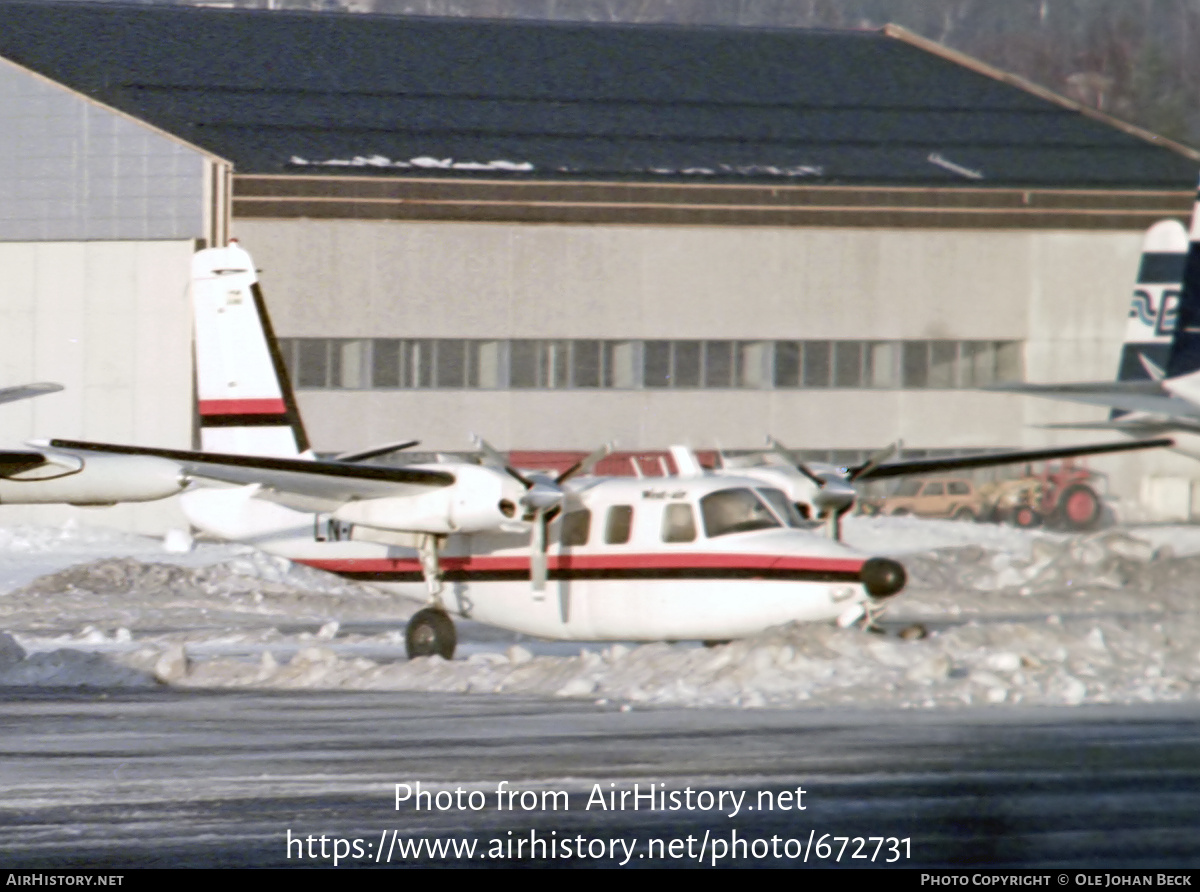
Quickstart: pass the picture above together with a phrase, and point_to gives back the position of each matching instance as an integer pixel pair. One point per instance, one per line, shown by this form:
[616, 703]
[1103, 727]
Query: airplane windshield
[783, 509]
[735, 511]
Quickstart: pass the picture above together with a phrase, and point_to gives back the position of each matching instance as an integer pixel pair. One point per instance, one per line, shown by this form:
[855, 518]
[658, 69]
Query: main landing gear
[430, 632]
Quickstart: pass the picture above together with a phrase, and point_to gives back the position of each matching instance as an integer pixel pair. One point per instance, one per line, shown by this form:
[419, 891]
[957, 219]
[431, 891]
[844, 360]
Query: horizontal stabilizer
[1132, 396]
[990, 459]
[26, 391]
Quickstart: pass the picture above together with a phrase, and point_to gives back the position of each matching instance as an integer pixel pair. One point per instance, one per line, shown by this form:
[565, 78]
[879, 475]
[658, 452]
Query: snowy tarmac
[190, 708]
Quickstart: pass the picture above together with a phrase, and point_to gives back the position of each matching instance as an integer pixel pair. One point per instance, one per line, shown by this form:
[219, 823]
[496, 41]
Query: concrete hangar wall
[559, 234]
[843, 338]
[99, 216]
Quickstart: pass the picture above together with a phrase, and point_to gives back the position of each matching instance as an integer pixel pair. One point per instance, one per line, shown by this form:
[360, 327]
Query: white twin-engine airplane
[709, 556]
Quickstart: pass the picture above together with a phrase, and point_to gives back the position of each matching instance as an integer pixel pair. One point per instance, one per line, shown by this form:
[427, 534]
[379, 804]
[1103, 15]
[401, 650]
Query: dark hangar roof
[291, 93]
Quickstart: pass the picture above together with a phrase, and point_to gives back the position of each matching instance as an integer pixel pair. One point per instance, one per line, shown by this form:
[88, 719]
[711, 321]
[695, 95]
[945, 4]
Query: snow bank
[1013, 617]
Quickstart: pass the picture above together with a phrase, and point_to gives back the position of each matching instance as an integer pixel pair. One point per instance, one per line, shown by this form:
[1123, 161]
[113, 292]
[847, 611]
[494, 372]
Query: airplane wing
[1132, 396]
[318, 484]
[988, 459]
[25, 391]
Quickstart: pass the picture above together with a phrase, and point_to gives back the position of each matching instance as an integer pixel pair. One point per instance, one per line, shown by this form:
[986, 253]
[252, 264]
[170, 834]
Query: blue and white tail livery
[1158, 377]
[244, 399]
[1155, 305]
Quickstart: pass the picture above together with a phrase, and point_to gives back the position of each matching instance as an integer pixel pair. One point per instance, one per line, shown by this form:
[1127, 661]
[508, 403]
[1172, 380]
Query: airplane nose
[882, 576]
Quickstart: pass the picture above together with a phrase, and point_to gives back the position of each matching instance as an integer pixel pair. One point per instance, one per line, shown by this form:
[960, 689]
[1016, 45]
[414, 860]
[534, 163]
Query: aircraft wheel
[1025, 517]
[430, 632]
[1079, 507]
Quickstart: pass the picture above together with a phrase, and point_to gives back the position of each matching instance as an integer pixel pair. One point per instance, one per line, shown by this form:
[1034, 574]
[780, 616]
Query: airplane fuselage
[627, 560]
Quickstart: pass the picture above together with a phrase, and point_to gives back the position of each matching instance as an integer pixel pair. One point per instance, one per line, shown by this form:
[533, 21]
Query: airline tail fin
[1185, 347]
[244, 396]
[1153, 312]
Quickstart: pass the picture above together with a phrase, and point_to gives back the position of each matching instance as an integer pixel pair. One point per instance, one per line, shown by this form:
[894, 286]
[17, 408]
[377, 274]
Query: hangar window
[449, 363]
[718, 364]
[816, 363]
[312, 363]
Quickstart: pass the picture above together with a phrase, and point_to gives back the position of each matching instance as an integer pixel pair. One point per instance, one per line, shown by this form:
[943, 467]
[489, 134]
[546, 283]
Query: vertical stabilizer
[245, 400]
[1185, 348]
[1153, 312]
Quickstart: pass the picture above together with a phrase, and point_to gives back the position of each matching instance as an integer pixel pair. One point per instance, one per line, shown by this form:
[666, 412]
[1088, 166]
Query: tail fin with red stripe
[244, 397]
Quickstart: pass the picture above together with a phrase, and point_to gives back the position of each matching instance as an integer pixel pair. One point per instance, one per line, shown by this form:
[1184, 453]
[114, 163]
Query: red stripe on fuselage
[242, 407]
[483, 564]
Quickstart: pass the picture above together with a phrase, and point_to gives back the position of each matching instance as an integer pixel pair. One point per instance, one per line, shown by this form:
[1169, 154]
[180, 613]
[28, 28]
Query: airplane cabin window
[735, 511]
[576, 525]
[679, 523]
[619, 525]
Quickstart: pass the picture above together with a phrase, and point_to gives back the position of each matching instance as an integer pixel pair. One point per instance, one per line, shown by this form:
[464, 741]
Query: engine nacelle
[480, 499]
[97, 480]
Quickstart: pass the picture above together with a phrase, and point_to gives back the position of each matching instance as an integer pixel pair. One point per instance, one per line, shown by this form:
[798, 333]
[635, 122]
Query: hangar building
[557, 235]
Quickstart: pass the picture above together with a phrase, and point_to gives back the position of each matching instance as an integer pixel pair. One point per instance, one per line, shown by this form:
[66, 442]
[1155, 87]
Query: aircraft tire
[430, 632]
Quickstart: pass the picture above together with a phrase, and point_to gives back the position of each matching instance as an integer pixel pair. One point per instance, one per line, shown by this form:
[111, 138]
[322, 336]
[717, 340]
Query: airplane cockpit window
[679, 523]
[735, 511]
[619, 525]
[783, 509]
[576, 525]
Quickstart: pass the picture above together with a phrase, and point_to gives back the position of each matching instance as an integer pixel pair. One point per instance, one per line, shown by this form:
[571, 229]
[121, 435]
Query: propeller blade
[494, 459]
[376, 451]
[876, 459]
[537, 553]
[585, 464]
[790, 458]
[25, 391]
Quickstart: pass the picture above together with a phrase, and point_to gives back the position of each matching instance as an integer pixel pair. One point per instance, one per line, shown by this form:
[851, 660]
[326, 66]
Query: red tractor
[1065, 495]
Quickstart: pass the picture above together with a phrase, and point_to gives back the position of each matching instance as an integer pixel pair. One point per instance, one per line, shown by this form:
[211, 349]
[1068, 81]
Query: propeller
[543, 498]
[835, 495]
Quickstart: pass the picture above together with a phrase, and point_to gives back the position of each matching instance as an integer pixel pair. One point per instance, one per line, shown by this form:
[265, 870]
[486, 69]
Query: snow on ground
[1013, 616]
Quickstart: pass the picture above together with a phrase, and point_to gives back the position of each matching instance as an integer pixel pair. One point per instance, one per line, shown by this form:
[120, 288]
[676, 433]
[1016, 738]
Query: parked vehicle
[1065, 495]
